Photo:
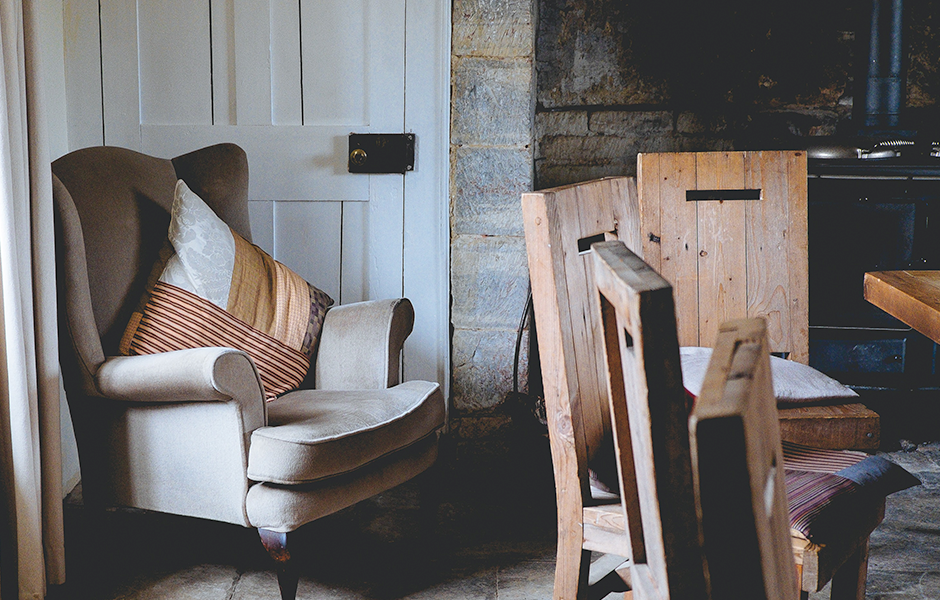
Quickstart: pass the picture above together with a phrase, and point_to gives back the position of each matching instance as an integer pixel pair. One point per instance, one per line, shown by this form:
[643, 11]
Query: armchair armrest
[198, 374]
[360, 346]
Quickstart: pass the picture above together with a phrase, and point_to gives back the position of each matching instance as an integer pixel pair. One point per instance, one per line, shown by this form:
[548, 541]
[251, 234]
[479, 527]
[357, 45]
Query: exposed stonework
[491, 103]
[489, 205]
[482, 362]
[692, 76]
[488, 282]
[494, 28]
[492, 116]
[615, 78]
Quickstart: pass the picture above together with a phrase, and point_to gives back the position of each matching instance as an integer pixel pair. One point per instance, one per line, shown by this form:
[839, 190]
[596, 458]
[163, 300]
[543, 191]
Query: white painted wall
[52, 48]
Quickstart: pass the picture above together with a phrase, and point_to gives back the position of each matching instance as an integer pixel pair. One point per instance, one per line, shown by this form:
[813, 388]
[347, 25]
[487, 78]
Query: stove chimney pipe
[885, 84]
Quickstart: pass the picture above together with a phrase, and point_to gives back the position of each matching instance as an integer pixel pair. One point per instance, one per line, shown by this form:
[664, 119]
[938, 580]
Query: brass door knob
[358, 157]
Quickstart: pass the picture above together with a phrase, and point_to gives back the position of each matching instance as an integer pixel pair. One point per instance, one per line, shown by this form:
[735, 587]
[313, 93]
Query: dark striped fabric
[813, 488]
[816, 460]
[810, 495]
[175, 319]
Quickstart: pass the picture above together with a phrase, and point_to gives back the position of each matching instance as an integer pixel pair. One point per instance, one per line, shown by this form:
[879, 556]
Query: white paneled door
[288, 81]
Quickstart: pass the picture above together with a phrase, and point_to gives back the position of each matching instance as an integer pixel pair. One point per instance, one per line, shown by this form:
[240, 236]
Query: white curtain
[31, 537]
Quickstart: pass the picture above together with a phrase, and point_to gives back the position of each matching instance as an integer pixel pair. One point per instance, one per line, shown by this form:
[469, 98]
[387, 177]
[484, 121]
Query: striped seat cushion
[826, 489]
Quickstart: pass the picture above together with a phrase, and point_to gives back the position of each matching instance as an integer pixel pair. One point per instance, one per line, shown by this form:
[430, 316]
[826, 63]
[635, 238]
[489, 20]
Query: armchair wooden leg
[287, 574]
[848, 583]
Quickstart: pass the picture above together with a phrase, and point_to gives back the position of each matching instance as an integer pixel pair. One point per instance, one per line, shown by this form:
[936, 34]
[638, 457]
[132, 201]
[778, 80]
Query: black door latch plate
[381, 152]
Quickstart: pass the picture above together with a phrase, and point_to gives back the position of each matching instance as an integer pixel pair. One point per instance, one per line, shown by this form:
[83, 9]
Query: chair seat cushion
[827, 490]
[315, 434]
[794, 383]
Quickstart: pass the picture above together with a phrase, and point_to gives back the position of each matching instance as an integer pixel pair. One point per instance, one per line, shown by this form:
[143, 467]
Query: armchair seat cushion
[316, 434]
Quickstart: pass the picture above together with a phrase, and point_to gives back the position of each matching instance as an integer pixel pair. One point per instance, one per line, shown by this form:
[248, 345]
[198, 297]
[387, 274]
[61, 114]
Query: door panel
[120, 92]
[83, 73]
[287, 163]
[261, 214]
[335, 40]
[307, 238]
[288, 80]
[355, 267]
[174, 60]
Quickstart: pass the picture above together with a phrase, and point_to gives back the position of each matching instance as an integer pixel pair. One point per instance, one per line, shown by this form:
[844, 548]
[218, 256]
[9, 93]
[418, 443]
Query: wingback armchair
[189, 432]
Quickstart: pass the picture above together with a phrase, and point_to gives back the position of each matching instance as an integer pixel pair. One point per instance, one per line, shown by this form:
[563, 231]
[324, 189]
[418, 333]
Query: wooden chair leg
[287, 574]
[572, 568]
[848, 583]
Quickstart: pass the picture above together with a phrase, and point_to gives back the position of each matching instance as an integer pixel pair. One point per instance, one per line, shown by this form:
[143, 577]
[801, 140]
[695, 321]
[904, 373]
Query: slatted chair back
[728, 230]
[560, 226]
[738, 466]
[650, 416]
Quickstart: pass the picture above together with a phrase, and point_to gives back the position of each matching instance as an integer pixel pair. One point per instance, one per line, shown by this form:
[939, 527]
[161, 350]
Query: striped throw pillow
[211, 287]
[175, 319]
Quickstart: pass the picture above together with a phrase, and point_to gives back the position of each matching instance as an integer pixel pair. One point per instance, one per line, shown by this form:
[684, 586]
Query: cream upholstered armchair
[189, 432]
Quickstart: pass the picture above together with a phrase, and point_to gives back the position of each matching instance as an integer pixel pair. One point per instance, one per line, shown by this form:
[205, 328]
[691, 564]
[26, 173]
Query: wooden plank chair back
[560, 226]
[711, 511]
[729, 231]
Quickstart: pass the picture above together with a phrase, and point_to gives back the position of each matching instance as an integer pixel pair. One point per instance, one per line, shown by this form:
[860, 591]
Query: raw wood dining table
[913, 297]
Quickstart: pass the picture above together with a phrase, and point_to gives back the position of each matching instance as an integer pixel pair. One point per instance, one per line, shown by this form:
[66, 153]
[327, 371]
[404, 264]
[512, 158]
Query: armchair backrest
[112, 213]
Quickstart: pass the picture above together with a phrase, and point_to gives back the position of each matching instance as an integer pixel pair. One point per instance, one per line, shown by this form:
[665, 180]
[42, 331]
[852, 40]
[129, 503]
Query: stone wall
[492, 111]
[614, 78]
[618, 77]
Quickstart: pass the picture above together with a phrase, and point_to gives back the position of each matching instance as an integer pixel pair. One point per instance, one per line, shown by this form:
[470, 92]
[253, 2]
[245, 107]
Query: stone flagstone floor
[490, 537]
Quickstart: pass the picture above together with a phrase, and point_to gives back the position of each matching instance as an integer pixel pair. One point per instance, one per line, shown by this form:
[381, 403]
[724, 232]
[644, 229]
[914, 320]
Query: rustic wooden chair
[709, 517]
[728, 230]
[560, 225]
[738, 465]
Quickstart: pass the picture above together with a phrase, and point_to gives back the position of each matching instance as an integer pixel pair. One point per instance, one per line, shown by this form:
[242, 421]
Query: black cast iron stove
[874, 205]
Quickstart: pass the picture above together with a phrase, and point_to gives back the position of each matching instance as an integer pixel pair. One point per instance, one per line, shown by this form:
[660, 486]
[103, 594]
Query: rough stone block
[561, 122]
[702, 143]
[482, 367]
[491, 103]
[595, 149]
[486, 186]
[632, 123]
[552, 175]
[694, 123]
[489, 281]
[479, 424]
[584, 57]
[494, 28]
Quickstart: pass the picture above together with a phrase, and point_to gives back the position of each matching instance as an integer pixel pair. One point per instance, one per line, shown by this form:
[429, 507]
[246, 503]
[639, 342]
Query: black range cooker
[872, 207]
